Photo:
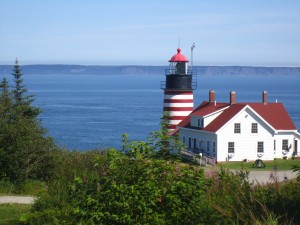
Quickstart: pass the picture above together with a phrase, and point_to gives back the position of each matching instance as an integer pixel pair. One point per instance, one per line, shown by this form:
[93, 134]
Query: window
[274, 145]
[208, 146]
[237, 128]
[195, 143]
[183, 139]
[285, 144]
[200, 123]
[190, 142]
[260, 147]
[214, 146]
[254, 128]
[230, 147]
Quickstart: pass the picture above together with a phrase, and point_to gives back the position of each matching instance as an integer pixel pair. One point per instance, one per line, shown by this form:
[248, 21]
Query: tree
[5, 100]
[6, 106]
[164, 144]
[22, 100]
[160, 144]
[24, 145]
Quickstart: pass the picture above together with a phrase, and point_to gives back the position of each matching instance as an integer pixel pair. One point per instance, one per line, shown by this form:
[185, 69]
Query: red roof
[178, 57]
[273, 113]
[224, 117]
[208, 108]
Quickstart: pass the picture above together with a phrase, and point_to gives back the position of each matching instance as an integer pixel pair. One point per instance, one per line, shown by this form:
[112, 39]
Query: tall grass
[29, 187]
[68, 165]
[239, 202]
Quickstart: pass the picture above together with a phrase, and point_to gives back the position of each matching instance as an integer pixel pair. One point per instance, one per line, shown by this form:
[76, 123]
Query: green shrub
[112, 188]
[139, 192]
[127, 191]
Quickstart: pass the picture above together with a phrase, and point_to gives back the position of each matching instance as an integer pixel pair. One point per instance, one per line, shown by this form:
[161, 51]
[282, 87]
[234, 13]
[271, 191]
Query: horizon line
[68, 64]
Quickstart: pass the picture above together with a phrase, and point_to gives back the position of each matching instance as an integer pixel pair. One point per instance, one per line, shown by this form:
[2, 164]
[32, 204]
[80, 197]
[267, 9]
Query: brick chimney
[264, 97]
[211, 96]
[232, 98]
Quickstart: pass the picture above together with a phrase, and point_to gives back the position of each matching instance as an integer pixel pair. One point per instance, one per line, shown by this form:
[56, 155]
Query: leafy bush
[128, 191]
[113, 188]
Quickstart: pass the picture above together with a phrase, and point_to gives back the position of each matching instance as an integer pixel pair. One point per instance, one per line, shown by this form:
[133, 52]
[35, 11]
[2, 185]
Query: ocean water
[91, 112]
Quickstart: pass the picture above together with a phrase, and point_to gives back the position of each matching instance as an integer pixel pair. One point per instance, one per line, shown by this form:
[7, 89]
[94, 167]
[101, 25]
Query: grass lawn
[10, 213]
[281, 164]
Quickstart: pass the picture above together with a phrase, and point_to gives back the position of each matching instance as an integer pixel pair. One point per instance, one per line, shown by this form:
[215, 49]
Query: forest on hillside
[147, 70]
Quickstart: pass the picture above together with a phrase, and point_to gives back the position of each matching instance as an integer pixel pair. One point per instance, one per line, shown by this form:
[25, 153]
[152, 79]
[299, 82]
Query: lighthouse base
[178, 104]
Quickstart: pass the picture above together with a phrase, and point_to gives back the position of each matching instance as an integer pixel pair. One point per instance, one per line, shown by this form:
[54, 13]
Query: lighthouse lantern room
[178, 90]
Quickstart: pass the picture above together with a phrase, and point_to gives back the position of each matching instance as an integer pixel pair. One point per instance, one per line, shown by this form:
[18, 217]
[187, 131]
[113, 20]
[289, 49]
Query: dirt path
[266, 176]
[263, 177]
[17, 199]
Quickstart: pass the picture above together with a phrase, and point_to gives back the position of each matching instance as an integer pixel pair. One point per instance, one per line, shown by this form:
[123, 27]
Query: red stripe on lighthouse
[171, 126]
[176, 117]
[178, 109]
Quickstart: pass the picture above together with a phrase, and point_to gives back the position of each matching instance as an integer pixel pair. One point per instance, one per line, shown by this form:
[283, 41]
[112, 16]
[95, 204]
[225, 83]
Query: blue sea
[93, 111]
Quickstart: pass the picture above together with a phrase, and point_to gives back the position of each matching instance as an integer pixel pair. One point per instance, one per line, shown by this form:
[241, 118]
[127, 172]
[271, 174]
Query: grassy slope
[31, 188]
[10, 213]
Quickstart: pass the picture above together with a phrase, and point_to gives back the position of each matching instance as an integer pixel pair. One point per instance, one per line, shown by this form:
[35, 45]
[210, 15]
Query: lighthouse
[178, 90]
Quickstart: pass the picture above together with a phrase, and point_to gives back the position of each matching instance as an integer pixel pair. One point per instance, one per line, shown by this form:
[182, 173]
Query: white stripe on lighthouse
[178, 104]
[179, 113]
[174, 122]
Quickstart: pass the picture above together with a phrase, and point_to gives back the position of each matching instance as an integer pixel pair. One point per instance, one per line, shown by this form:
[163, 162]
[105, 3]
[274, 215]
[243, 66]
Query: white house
[236, 131]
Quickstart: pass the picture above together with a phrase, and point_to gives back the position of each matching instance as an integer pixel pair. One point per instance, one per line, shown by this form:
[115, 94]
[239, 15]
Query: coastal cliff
[148, 70]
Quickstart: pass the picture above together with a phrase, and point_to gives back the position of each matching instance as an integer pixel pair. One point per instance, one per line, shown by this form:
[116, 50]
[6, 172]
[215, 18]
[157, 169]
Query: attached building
[238, 131]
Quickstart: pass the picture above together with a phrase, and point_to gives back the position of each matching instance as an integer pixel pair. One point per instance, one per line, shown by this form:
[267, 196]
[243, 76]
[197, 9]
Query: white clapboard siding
[245, 142]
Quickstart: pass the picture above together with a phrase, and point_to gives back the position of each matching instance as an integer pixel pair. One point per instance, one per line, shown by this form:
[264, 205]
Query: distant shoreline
[43, 69]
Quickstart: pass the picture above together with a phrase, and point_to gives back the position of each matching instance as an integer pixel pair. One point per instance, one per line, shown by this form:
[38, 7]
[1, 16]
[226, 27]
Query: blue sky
[95, 32]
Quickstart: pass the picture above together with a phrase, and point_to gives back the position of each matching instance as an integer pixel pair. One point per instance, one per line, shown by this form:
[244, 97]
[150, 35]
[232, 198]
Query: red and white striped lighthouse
[178, 90]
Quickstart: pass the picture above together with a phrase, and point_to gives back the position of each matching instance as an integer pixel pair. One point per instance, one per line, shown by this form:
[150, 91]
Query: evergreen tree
[5, 119]
[19, 90]
[22, 100]
[25, 148]
[5, 99]
[4, 87]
